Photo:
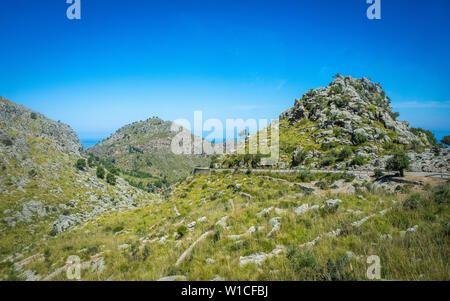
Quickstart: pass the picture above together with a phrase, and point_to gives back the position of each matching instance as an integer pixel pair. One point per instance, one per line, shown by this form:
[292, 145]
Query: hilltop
[350, 125]
[142, 153]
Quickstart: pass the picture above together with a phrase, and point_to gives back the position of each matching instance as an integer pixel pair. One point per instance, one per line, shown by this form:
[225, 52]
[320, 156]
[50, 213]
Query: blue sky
[129, 60]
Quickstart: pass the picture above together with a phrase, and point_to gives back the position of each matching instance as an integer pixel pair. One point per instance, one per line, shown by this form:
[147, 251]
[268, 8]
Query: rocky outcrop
[15, 119]
[353, 105]
[355, 113]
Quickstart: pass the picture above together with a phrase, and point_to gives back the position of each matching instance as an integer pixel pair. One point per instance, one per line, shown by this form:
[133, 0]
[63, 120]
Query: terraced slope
[255, 227]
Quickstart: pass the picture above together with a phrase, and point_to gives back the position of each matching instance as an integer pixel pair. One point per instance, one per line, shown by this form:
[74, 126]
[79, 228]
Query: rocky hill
[42, 192]
[350, 125]
[17, 122]
[142, 153]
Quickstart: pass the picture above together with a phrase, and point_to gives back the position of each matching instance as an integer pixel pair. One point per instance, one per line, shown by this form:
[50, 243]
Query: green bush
[340, 269]
[181, 230]
[111, 179]
[446, 140]
[378, 173]
[299, 259]
[395, 115]
[7, 141]
[305, 176]
[146, 252]
[398, 162]
[90, 161]
[430, 136]
[337, 132]
[100, 172]
[299, 157]
[335, 90]
[359, 138]
[358, 161]
[327, 161]
[412, 202]
[81, 164]
[322, 185]
[345, 153]
[442, 194]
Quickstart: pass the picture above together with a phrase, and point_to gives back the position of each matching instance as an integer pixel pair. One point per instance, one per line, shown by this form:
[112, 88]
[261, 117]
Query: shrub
[299, 157]
[90, 161]
[398, 162]
[81, 164]
[111, 179]
[337, 132]
[217, 234]
[114, 170]
[436, 150]
[146, 252]
[430, 136]
[181, 230]
[327, 161]
[100, 172]
[395, 115]
[7, 141]
[322, 185]
[446, 140]
[33, 116]
[412, 202]
[416, 146]
[299, 259]
[359, 138]
[378, 173]
[335, 90]
[328, 146]
[32, 173]
[304, 175]
[117, 228]
[340, 269]
[358, 161]
[442, 194]
[345, 153]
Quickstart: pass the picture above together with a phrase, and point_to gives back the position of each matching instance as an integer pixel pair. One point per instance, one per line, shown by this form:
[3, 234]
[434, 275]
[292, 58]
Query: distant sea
[89, 142]
[439, 134]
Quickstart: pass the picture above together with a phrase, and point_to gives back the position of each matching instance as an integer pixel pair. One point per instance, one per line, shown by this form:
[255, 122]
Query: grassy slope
[56, 182]
[419, 255]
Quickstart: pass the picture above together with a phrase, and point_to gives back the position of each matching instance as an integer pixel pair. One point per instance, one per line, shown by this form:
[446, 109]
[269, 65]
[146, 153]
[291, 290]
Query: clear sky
[127, 60]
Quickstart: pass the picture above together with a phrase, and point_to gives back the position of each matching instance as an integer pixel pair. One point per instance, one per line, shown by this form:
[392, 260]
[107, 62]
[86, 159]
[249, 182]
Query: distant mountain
[142, 153]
